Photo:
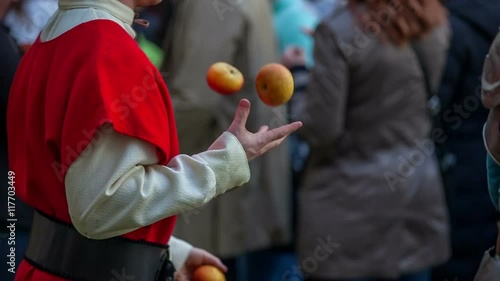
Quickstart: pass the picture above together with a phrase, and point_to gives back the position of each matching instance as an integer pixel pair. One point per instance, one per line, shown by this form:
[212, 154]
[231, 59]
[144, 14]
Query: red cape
[66, 88]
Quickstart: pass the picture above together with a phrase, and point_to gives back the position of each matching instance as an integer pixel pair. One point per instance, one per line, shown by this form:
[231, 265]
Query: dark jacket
[474, 25]
[10, 57]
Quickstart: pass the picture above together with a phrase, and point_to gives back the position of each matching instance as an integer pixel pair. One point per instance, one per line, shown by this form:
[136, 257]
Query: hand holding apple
[208, 273]
[199, 258]
[256, 144]
[224, 78]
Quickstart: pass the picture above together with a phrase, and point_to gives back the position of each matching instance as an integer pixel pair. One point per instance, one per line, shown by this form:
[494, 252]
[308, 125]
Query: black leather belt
[59, 249]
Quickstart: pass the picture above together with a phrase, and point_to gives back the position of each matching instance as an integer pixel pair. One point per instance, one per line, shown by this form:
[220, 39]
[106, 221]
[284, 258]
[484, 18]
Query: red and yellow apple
[274, 84]
[208, 273]
[224, 78]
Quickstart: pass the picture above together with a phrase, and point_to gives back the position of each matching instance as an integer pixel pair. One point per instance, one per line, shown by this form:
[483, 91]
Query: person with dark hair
[10, 56]
[93, 149]
[474, 24]
[371, 204]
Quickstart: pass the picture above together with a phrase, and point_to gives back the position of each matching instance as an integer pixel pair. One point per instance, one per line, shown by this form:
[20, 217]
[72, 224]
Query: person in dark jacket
[474, 25]
[10, 237]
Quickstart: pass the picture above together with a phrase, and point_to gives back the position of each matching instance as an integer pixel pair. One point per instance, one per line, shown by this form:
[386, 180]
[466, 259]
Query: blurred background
[387, 179]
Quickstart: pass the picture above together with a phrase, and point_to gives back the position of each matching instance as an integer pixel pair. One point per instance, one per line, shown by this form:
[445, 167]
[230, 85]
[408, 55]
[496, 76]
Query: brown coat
[257, 215]
[371, 203]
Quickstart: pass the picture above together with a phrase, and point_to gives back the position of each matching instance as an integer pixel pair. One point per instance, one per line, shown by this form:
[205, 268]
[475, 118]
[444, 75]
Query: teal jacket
[290, 17]
[493, 180]
[493, 172]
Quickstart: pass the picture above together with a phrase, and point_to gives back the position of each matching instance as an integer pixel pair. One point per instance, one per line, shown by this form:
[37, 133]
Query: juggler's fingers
[242, 112]
[281, 132]
[273, 144]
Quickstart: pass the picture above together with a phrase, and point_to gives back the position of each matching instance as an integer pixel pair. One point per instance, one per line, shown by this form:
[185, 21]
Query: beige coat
[257, 215]
[371, 203]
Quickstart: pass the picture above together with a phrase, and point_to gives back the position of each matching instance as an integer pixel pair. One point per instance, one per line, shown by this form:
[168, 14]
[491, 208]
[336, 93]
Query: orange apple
[274, 84]
[208, 273]
[224, 78]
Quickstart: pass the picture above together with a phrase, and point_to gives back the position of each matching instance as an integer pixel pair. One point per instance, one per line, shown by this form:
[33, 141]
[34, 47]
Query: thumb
[241, 115]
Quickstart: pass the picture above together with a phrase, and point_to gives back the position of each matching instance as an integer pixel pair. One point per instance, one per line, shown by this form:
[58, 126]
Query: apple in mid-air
[274, 84]
[224, 78]
[208, 273]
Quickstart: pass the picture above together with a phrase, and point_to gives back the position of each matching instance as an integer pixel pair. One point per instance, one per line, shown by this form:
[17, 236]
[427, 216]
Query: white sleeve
[116, 185]
[180, 250]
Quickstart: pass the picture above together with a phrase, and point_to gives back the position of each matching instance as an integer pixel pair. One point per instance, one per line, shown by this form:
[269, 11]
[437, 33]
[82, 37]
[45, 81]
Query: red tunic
[66, 88]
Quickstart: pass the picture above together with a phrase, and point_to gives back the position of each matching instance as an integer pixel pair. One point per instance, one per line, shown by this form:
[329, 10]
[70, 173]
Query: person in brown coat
[372, 205]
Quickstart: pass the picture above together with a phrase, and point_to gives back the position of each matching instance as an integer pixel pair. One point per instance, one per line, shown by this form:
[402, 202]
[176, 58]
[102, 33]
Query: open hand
[256, 144]
[198, 257]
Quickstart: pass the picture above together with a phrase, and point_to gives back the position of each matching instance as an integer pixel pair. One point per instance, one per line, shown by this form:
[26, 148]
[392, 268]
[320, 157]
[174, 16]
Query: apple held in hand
[224, 78]
[208, 273]
[274, 84]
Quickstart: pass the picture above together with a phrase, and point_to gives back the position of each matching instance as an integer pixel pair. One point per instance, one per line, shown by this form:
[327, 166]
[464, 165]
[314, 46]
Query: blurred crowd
[386, 180]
